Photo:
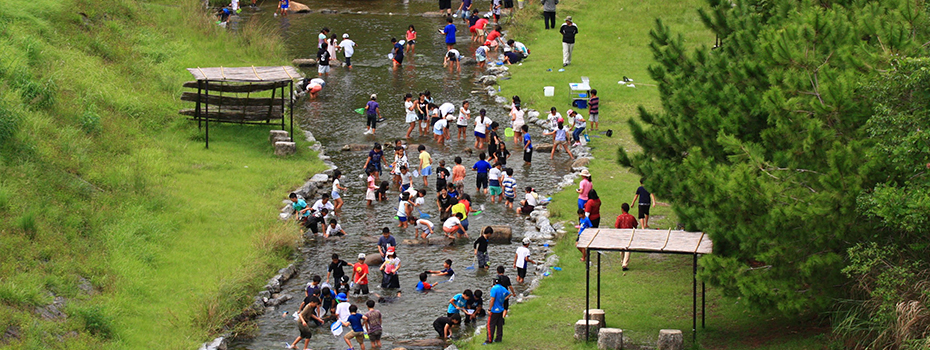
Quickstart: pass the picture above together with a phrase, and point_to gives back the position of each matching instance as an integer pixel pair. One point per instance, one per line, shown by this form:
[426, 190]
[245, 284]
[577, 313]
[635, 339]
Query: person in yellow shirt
[426, 164]
[463, 207]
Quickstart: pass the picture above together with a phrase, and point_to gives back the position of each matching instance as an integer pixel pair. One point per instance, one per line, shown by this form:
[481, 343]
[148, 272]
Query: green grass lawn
[656, 293]
[103, 184]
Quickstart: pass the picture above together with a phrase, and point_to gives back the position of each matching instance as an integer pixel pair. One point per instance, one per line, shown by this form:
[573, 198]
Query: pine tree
[762, 142]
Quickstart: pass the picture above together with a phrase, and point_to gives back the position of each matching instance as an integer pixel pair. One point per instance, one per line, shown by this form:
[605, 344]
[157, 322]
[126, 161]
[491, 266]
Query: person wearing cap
[499, 295]
[348, 48]
[549, 12]
[342, 308]
[385, 241]
[579, 125]
[373, 114]
[389, 269]
[481, 55]
[584, 187]
[359, 276]
[568, 30]
[521, 258]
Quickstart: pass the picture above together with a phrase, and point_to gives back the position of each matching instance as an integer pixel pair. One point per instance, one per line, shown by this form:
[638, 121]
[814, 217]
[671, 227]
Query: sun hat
[361, 256]
[341, 297]
[374, 95]
[585, 173]
[526, 241]
[390, 250]
[345, 36]
[568, 19]
[569, 112]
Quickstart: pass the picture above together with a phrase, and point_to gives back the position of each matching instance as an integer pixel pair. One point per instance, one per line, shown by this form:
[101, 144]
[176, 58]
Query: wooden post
[599, 281]
[694, 301]
[291, 98]
[207, 112]
[197, 108]
[587, 291]
[271, 107]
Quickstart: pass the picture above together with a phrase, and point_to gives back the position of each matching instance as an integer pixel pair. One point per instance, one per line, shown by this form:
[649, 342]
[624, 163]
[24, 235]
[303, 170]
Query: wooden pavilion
[645, 241]
[239, 95]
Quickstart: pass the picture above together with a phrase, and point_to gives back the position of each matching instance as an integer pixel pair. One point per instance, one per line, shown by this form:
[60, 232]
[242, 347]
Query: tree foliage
[766, 142]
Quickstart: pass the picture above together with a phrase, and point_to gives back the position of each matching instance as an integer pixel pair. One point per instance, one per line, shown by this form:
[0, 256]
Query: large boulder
[435, 239]
[543, 147]
[296, 7]
[502, 233]
[304, 62]
[581, 162]
[468, 61]
[373, 259]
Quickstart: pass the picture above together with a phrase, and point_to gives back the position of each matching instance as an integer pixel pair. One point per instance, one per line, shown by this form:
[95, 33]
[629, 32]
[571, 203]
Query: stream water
[334, 123]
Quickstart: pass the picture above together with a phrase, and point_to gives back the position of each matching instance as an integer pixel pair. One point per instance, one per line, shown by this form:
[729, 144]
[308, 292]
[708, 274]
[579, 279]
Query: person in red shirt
[494, 38]
[477, 30]
[360, 277]
[592, 208]
[625, 220]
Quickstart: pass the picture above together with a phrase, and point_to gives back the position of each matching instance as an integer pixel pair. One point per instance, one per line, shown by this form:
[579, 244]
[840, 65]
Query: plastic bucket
[520, 4]
[549, 91]
[580, 103]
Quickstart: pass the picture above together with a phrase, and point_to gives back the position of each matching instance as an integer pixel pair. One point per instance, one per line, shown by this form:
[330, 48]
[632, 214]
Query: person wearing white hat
[568, 30]
[584, 187]
[348, 48]
[521, 258]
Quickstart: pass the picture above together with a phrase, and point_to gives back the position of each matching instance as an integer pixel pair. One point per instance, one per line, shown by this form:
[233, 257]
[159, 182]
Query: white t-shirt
[519, 47]
[424, 225]
[402, 208]
[319, 205]
[452, 222]
[463, 117]
[330, 230]
[579, 121]
[405, 178]
[318, 81]
[342, 309]
[494, 174]
[458, 56]
[531, 199]
[522, 254]
[410, 111]
[440, 124]
[482, 125]
[553, 120]
[419, 201]
[446, 109]
[348, 46]
[234, 4]
[517, 118]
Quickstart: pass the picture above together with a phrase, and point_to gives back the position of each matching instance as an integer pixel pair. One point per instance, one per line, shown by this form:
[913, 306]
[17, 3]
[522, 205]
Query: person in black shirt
[646, 201]
[335, 269]
[441, 175]
[474, 307]
[444, 201]
[443, 325]
[322, 59]
[481, 248]
[568, 30]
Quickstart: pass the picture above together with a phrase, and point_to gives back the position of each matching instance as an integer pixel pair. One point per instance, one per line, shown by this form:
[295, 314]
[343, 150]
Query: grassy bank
[108, 198]
[656, 293]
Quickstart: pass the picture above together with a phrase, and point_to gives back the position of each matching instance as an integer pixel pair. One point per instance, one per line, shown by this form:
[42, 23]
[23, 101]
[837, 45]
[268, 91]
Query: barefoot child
[423, 286]
[482, 167]
[304, 318]
[583, 223]
[509, 186]
[527, 145]
[372, 187]
[381, 193]
[443, 325]
[410, 114]
[358, 331]
[403, 209]
[521, 258]
[426, 164]
[446, 269]
[481, 128]
[494, 183]
[481, 248]
[424, 228]
[458, 173]
[334, 229]
[336, 193]
[462, 121]
[442, 174]
[453, 226]
[372, 320]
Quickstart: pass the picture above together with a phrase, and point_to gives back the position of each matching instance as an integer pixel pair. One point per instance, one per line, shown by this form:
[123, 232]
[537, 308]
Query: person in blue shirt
[458, 302]
[446, 269]
[498, 294]
[527, 145]
[423, 285]
[482, 167]
[583, 223]
[449, 32]
[358, 331]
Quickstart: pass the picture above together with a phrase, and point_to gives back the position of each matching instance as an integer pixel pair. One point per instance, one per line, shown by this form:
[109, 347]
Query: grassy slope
[656, 292]
[101, 180]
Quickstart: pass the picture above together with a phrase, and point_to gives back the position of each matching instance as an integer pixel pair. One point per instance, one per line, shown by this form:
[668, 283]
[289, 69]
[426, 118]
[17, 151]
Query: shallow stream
[333, 122]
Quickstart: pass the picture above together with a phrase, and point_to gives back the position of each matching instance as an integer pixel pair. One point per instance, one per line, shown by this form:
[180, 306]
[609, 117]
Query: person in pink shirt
[583, 188]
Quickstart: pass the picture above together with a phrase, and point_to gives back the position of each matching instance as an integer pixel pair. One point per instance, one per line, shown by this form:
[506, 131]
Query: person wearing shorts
[494, 182]
[373, 113]
[521, 258]
[355, 321]
[372, 322]
[445, 6]
[482, 167]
